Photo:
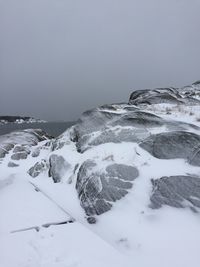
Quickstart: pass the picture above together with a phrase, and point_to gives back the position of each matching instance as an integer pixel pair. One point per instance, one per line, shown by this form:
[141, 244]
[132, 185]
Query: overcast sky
[61, 57]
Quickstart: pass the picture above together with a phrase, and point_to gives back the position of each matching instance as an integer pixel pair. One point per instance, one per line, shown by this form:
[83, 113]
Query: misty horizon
[60, 58]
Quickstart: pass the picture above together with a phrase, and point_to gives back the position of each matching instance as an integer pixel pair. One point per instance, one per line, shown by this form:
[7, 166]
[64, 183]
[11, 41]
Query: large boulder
[171, 145]
[185, 95]
[176, 191]
[155, 96]
[120, 123]
[98, 189]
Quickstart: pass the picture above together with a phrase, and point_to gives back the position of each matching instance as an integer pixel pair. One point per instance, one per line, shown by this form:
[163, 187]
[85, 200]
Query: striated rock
[171, 145]
[195, 158]
[155, 96]
[119, 123]
[176, 191]
[58, 167]
[98, 189]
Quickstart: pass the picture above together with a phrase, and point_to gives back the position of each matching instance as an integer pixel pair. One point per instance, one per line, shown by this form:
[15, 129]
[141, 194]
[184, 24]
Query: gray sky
[59, 58]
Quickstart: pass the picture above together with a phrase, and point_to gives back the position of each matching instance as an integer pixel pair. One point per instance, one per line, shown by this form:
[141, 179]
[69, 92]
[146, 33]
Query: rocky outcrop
[19, 143]
[98, 189]
[100, 126]
[176, 144]
[102, 176]
[156, 96]
[176, 191]
[185, 95]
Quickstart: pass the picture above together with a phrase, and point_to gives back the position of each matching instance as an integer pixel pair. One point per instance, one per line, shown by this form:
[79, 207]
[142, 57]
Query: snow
[130, 234]
[188, 114]
[70, 244]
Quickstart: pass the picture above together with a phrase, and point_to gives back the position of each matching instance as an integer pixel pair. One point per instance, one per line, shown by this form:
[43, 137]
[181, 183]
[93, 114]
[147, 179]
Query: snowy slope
[120, 188]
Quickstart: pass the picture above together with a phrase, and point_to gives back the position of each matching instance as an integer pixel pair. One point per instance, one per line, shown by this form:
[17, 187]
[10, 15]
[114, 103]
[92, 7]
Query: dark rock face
[176, 191]
[97, 190]
[58, 167]
[38, 168]
[171, 145]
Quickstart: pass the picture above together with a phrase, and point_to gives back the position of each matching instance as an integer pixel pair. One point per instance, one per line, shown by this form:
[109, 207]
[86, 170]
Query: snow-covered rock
[119, 188]
[175, 144]
[185, 95]
[18, 143]
[98, 189]
[38, 168]
[176, 191]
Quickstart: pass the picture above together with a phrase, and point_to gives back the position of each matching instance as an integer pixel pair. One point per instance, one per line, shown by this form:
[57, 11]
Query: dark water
[52, 128]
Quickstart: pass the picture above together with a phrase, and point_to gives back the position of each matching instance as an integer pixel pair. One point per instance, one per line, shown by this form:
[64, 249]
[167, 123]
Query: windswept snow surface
[42, 221]
[24, 239]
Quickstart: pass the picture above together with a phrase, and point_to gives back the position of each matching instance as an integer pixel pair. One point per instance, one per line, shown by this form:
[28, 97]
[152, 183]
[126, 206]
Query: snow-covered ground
[42, 223]
[131, 234]
[36, 229]
[188, 114]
